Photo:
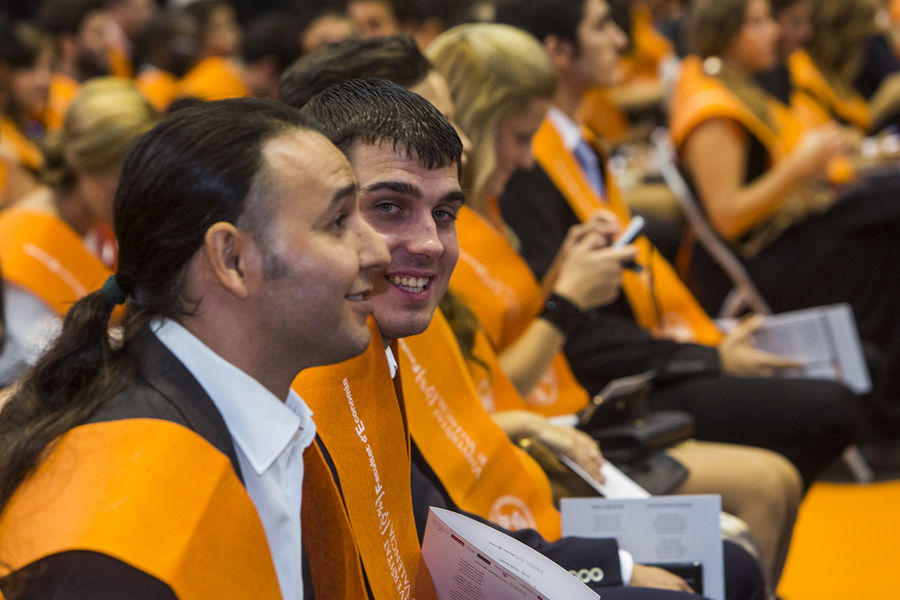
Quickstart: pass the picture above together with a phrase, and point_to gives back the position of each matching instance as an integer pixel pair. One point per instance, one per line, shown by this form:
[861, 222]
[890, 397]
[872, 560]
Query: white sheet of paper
[618, 484]
[823, 338]
[661, 529]
[470, 561]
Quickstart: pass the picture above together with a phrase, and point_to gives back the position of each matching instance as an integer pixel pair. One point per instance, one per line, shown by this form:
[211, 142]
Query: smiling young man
[724, 382]
[175, 454]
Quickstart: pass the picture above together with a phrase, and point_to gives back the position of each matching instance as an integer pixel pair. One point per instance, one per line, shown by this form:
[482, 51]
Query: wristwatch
[562, 313]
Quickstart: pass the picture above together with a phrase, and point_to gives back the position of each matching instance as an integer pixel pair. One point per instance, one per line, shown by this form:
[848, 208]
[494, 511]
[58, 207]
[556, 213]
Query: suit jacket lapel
[165, 373]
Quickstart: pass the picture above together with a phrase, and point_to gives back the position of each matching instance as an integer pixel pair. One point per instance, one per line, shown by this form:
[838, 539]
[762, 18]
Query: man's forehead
[370, 160]
[307, 152]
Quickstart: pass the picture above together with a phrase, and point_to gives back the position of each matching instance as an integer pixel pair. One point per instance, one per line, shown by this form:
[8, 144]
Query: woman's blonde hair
[493, 72]
[103, 119]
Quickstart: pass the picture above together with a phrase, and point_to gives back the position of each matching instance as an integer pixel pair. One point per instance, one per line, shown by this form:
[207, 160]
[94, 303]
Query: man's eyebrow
[400, 187]
[455, 196]
[341, 194]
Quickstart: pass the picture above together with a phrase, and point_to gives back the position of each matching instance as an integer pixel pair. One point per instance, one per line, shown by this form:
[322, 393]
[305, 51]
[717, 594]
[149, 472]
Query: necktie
[589, 162]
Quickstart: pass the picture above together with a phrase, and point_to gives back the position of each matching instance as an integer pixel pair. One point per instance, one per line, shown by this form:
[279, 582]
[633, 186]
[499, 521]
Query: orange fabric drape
[700, 97]
[478, 465]
[127, 489]
[120, 62]
[815, 102]
[649, 47]
[213, 78]
[494, 388]
[661, 303]
[603, 116]
[15, 144]
[362, 423]
[43, 255]
[159, 87]
[62, 91]
[331, 550]
[497, 284]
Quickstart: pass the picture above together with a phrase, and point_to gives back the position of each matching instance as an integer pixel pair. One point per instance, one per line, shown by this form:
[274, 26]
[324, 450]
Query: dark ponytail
[195, 168]
[76, 375]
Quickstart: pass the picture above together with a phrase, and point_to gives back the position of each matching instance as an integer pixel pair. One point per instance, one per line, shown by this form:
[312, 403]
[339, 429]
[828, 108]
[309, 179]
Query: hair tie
[113, 291]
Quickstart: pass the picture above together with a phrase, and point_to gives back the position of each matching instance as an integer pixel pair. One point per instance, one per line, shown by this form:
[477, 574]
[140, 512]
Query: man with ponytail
[167, 460]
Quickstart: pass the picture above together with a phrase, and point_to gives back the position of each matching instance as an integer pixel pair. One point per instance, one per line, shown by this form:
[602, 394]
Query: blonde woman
[47, 265]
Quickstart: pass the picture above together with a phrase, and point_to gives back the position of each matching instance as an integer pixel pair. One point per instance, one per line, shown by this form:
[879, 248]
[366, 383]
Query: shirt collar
[260, 424]
[392, 362]
[568, 130]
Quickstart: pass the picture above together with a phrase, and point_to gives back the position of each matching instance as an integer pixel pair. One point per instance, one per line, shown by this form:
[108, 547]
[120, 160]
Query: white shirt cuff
[626, 561]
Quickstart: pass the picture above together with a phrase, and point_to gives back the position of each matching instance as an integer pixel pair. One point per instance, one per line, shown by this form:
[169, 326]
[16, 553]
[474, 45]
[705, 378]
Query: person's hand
[654, 577]
[818, 146]
[603, 226]
[590, 276]
[575, 444]
[739, 358]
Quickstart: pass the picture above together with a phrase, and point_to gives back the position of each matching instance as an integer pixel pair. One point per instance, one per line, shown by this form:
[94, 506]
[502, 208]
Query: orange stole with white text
[361, 422]
[481, 469]
[497, 284]
[661, 303]
[42, 254]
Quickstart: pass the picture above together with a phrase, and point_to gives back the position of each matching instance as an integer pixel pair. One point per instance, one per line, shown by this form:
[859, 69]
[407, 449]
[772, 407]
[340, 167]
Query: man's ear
[233, 257]
[559, 51]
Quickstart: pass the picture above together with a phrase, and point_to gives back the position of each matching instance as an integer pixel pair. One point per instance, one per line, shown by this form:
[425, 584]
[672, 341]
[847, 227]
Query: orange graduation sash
[17, 146]
[159, 87]
[43, 255]
[127, 489]
[213, 78]
[361, 421]
[497, 284]
[479, 466]
[62, 91]
[700, 97]
[659, 300]
[649, 47]
[815, 102]
[331, 550]
[603, 116]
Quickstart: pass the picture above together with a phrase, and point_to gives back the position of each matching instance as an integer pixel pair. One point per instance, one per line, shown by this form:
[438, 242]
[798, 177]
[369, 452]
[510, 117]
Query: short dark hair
[22, 45]
[377, 111]
[66, 16]
[202, 11]
[779, 5]
[273, 34]
[396, 58]
[543, 18]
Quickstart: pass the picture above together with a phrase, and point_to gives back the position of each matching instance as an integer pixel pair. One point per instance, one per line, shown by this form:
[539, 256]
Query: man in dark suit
[243, 260]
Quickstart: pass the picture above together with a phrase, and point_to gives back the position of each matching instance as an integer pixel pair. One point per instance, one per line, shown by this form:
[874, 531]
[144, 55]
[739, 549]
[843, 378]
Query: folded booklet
[469, 560]
[823, 338]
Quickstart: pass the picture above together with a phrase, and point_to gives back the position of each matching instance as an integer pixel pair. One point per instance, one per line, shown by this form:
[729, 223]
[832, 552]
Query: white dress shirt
[269, 437]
